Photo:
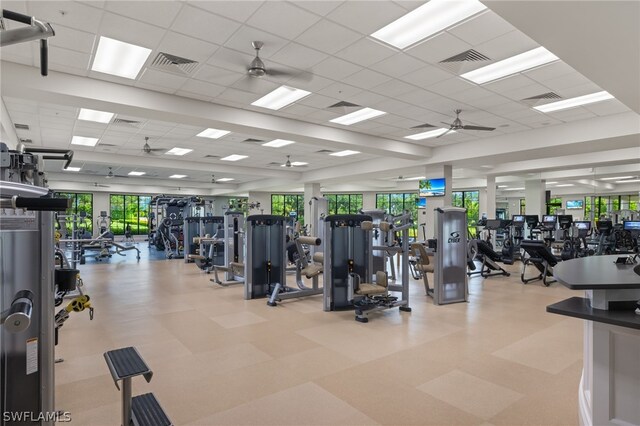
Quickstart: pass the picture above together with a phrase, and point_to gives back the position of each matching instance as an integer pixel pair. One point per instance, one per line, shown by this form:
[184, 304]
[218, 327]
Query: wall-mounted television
[432, 187]
[575, 204]
[421, 202]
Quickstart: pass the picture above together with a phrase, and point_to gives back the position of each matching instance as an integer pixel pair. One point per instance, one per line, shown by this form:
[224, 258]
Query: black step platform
[148, 412]
[125, 363]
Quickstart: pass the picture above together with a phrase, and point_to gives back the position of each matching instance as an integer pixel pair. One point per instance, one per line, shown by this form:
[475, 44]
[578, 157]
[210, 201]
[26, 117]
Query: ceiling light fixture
[425, 21]
[562, 185]
[134, 173]
[344, 153]
[515, 64]
[551, 183]
[514, 189]
[357, 116]
[225, 179]
[72, 169]
[212, 133]
[177, 176]
[503, 186]
[234, 157]
[294, 164]
[93, 115]
[618, 178]
[84, 141]
[281, 97]
[178, 151]
[278, 143]
[416, 178]
[628, 181]
[119, 58]
[429, 134]
[574, 102]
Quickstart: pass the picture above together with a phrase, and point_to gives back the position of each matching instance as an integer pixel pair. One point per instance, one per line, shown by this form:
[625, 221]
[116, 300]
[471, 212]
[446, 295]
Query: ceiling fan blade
[478, 128]
[448, 130]
[448, 124]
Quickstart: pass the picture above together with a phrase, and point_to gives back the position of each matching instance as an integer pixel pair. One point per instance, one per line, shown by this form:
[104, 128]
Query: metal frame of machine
[265, 263]
[234, 250]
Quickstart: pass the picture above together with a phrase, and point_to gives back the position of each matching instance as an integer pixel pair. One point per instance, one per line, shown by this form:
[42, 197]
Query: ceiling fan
[111, 175]
[258, 69]
[146, 148]
[289, 163]
[99, 185]
[457, 125]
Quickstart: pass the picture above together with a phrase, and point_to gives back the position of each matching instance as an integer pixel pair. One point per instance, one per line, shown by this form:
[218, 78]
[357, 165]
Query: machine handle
[18, 316]
[36, 204]
[66, 154]
[15, 16]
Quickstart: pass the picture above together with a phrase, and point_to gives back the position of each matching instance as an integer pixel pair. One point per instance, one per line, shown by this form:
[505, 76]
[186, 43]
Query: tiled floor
[220, 360]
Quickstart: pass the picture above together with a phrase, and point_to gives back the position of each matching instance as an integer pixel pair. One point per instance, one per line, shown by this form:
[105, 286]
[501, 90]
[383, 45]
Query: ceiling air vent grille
[252, 140]
[343, 104]
[26, 140]
[126, 123]
[324, 151]
[21, 126]
[423, 126]
[541, 99]
[174, 64]
[464, 61]
[211, 156]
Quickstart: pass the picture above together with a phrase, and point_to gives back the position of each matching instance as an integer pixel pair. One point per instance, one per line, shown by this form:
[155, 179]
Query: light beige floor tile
[80, 368]
[566, 339]
[233, 357]
[238, 319]
[471, 394]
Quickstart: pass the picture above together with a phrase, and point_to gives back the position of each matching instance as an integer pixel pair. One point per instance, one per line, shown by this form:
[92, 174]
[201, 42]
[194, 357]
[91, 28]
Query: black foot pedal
[127, 362]
[147, 411]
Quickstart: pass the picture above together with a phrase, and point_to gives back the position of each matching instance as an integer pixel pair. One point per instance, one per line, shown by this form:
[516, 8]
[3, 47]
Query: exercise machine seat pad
[367, 288]
[196, 256]
[424, 268]
[312, 270]
[318, 257]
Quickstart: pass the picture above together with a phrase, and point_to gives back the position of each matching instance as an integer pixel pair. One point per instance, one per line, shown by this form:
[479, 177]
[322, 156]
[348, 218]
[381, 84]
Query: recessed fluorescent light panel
[416, 178]
[574, 102]
[344, 153]
[234, 157]
[618, 178]
[84, 141]
[93, 115]
[296, 164]
[551, 183]
[134, 173]
[72, 169]
[177, 176]
[213, 133]
[225, 179]
[358, 116]
[281, 97]
[515, 64]
[628, 181]
[426, 20]
[119, 58]
[429, 134]
[514, 189]
[562, 185]
[278, 143]
[178, 151]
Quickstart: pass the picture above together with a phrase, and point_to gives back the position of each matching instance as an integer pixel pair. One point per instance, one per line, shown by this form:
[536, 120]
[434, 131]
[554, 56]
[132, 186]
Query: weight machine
[233, 243]
[265, 263]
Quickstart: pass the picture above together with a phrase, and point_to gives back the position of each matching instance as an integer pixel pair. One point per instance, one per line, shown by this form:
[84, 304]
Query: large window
[553, 205]
[470, 201]
[80, 202]
[285, 204]
[344, 203]
[605, 205]
[397, 203]
[131, 210]
[523, 206]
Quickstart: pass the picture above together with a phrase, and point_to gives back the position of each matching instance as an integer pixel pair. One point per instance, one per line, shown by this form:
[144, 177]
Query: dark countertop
[579, 307]
[596, 273]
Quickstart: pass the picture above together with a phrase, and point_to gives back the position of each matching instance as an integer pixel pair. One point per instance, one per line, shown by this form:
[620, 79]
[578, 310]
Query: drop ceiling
[326, 48]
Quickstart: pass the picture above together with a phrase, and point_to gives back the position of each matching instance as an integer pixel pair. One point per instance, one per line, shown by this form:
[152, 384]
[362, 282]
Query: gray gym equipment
[450, 277]
[209, 243]
[27, 286]
[265, 263]
[37, 30]
[234, 254]
[378, 239]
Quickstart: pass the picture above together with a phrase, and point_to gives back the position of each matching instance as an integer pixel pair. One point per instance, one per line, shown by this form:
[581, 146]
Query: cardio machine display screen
[518, 219]
[582, 225]
[548, 219]
[631, 225]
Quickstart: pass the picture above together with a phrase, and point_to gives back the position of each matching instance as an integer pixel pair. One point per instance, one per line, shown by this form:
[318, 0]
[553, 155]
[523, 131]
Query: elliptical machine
[103, 223]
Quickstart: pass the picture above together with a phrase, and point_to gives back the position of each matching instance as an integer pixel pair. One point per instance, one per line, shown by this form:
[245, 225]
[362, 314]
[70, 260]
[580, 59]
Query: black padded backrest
[485, 249]
[538, 249]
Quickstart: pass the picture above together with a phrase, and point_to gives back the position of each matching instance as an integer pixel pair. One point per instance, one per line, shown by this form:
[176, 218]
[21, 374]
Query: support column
[264, 198]
[368, 200]
[490, 201]
[310, 190]
[534, 196]
[426, 215]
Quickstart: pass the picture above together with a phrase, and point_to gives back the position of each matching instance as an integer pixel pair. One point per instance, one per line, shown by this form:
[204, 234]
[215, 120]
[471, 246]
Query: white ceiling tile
[451, 86]
[366, 17]
[482, 28]
[525, 92]
[161, 14]
[239, 96]
[572, 114]
[319, 7]
[231, 60]
[137, 33]
[367, 98]
[186, 47]
[15, 6]
[607, 107]
[335, 69]
[509, 83]
[255, 85]
[567, 81]
[549, 71]
[283, 19]
[155, 87]
[420, 97]
[219, 76]
[582, 89]
[340, 91]
[398, 65]
[472, 94]
[73, 39]
[19, 59]
[393, 88]
[164, 79]
[241, 41]
[322, 116]
[69, 58]
[328, 37]
[506, 45]
[236, 10]
[509, 108]
[298, 56]
[76, 15]
[202, 88]
[489, 101]
[435, 49]
[366, 79]
[426, 76]
[299, 109]
[203, 25]
[366, 52]
[308, 81]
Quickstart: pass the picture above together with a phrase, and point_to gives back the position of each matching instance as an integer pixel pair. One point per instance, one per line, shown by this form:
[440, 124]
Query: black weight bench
[490, 258]
[142, 410]
[542, 258]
